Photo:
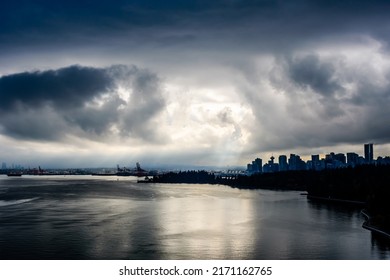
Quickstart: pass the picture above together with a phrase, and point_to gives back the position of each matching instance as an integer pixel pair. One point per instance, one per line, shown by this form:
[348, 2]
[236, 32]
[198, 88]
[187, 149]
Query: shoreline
[366, 225]
[337, 200]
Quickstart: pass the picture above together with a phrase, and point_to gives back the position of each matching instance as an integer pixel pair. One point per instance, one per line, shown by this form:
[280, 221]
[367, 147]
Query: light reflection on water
[208, 226]
[85, 217]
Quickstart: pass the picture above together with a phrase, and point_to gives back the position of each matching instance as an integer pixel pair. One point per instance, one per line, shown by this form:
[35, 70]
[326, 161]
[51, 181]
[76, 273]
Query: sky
[191, 83]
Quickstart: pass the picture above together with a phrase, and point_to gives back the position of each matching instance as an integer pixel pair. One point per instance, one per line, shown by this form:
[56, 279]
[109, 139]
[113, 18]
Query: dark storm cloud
[311, 72]
[80, 101]
[209, 24]
[71, 86]
[96, 120]
[33, 123]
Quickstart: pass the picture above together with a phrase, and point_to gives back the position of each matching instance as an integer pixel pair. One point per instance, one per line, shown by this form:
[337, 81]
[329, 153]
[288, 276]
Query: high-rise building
[255, 166]
[293, 162]
[296, 163]
[315, 163]
[341, 158]
[258, 163]
[369, 152]
[352, 159]
[315, 158]
[283, 166]
[329, 158]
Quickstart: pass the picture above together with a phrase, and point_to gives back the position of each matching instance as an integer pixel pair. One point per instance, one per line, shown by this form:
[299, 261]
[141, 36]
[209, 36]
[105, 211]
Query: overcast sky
[96, 83]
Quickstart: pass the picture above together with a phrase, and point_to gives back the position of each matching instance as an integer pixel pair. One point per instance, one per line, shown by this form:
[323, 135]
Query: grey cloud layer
[253, 24]
[80, 101]
[284, 61]
[323, 101]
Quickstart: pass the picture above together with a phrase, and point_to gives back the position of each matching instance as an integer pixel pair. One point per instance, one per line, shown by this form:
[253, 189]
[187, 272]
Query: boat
[14, 174]
[146, 180]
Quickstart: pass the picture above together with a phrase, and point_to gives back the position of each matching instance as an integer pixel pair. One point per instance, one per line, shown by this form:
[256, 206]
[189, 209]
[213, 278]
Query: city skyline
[317, 162]
[281, 160]
[194, 83]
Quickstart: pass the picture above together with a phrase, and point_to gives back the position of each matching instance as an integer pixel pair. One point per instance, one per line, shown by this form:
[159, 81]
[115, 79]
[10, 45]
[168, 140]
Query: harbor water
[92, 217]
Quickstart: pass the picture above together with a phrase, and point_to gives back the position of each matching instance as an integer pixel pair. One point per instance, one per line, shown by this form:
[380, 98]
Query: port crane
[137, 171]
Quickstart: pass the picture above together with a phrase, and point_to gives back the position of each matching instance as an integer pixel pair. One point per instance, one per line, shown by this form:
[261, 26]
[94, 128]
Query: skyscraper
[296, 163]
[255, 166]
[259, 162]
[369, 152]
[283, 166]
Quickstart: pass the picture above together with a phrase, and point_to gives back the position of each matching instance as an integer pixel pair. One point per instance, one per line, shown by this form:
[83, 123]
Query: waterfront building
[369, 152]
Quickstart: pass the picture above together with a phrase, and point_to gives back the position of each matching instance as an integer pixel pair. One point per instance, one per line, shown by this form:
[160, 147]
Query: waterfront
[86, 217]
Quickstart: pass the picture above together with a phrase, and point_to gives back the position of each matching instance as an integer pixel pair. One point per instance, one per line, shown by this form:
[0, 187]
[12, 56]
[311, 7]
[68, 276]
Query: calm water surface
[86, 217]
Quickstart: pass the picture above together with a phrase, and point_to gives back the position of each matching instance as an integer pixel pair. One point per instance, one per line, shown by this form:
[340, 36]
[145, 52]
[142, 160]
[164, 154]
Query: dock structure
[229, 174]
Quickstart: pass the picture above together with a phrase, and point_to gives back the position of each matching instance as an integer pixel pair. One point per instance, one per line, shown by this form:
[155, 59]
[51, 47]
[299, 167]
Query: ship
[14, 174]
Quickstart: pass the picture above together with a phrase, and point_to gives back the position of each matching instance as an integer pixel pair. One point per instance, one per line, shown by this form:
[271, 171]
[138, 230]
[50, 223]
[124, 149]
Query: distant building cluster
[331, 161]
[4, 166]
